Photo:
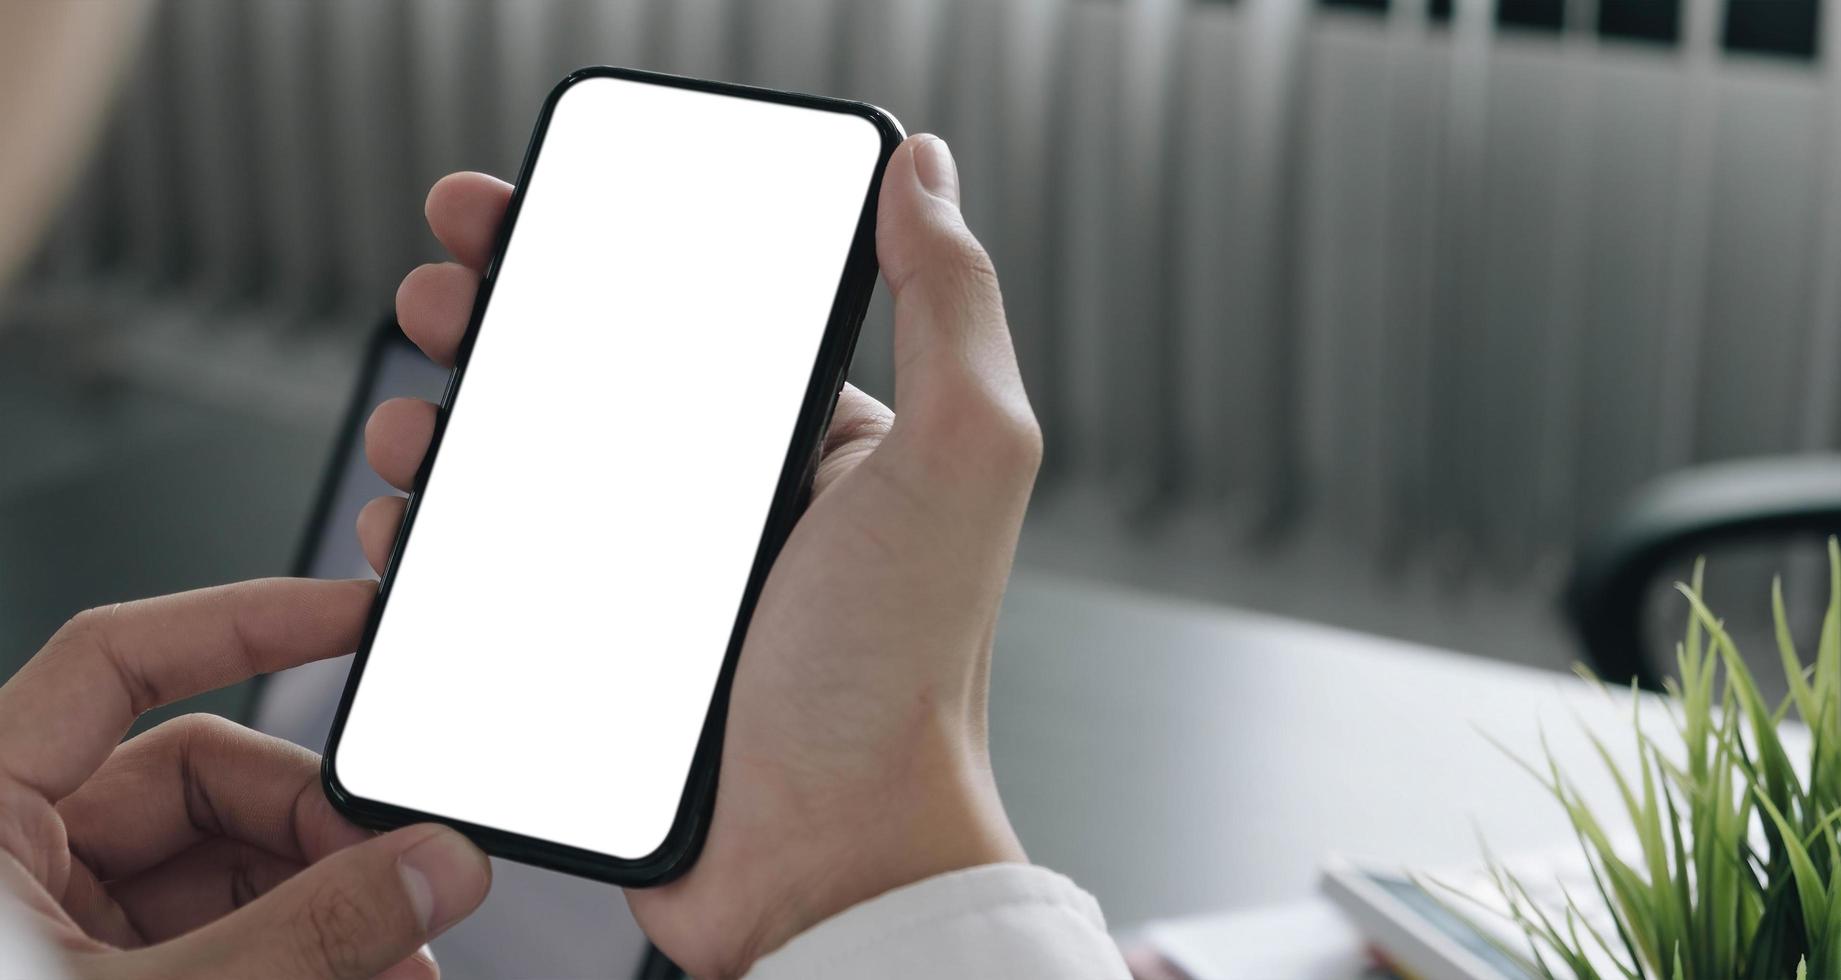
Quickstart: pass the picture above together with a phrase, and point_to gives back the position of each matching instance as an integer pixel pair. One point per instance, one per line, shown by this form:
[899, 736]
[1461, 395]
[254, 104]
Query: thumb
[354, 914]
[958, 393]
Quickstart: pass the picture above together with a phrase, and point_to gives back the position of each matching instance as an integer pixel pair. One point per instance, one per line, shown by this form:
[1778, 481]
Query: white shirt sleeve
[1012, 921]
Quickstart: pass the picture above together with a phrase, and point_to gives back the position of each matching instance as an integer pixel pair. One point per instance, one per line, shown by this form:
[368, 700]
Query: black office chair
[1678, 517]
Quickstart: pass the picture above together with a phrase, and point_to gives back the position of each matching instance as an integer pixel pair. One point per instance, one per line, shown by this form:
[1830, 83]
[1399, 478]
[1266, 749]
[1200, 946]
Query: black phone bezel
[682, 844]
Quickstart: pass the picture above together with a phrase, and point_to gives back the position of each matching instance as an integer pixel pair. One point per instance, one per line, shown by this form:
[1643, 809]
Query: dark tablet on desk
[535, 922]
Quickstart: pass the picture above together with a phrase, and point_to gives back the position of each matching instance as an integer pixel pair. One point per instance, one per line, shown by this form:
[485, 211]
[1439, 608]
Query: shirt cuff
[998, 920]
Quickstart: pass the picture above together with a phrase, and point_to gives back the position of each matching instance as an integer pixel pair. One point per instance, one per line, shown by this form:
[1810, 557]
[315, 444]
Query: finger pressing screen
[66, 709]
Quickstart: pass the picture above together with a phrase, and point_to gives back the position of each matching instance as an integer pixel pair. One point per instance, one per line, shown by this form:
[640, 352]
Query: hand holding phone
[855, 759]
[553, 681]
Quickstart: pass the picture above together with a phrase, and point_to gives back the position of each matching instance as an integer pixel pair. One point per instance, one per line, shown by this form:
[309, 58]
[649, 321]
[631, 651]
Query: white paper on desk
[1307, 940]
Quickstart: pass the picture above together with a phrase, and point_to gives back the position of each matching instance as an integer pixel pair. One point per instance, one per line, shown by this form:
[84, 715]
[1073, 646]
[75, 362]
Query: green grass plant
[1735, 869]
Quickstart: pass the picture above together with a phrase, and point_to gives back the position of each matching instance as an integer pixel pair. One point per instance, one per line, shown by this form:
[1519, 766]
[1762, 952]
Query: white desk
[1173, 758]
[1176, 758]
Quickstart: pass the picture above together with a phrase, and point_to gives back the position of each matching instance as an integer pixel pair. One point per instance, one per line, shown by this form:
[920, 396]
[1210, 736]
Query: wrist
[941, 813]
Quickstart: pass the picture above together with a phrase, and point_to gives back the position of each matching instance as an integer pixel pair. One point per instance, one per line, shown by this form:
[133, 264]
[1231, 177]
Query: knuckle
[944, 257]
[1021, 444]
[993, 431]
[86, 623]
[186, 733]
[88, 632]
[967, 256]
[195, 725]
[193, 732]
[331, 940]
[1010, 440]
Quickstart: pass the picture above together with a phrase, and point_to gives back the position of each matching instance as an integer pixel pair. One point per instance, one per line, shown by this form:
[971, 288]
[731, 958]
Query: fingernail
[421, 966]
[446, 877]
[933, 165]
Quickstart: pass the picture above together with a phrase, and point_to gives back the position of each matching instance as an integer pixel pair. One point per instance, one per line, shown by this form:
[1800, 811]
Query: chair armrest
[1680, 514]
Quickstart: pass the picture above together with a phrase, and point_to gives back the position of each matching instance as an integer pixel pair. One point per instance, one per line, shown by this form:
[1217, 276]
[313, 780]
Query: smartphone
[628, 436]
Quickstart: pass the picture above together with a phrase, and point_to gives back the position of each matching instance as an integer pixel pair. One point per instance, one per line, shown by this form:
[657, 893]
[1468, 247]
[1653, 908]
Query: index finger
[66, 709]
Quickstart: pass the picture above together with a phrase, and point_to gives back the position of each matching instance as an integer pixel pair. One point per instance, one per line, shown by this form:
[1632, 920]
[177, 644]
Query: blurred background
[1363, 311]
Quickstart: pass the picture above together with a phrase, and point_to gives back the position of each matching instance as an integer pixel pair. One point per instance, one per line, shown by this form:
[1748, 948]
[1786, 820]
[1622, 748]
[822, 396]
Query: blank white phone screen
[560, 614]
